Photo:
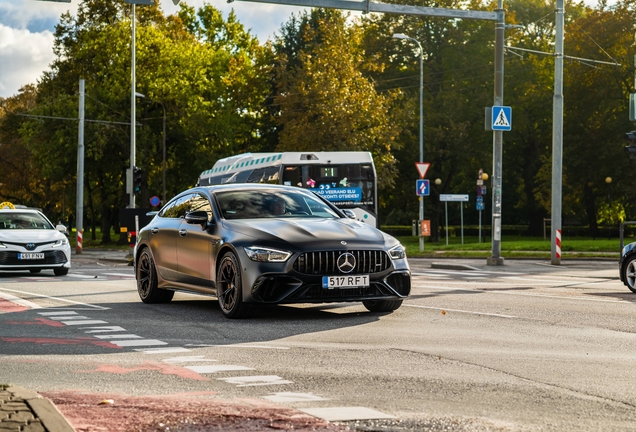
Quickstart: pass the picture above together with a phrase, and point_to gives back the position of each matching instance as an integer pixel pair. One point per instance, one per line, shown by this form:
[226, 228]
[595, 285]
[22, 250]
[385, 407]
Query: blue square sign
[422, 188]
[501, 118]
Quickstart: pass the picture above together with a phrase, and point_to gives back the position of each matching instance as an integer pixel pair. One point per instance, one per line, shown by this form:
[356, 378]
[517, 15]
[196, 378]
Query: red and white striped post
[558, 244]
[79, 241]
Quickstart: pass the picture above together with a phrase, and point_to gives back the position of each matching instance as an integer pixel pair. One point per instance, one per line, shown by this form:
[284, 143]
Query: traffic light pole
[557, 137]
[497, 147]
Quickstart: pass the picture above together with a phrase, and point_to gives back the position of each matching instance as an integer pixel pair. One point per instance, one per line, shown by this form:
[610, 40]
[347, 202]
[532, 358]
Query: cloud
[27, 26]
[23, 57]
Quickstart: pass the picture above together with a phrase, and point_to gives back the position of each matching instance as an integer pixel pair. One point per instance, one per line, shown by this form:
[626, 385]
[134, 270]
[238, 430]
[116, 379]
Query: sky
[27, 26]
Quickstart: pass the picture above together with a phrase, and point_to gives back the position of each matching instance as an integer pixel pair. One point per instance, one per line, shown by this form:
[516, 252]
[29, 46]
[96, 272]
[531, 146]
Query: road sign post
[457, 198]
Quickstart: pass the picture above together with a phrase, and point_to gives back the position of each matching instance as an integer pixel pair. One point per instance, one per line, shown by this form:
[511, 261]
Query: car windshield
[257, 204]
[18, 220]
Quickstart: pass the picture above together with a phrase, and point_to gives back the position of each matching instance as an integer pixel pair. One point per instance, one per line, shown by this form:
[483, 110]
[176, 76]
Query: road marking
[118, 336]
[481, 290]
[185, 359]
[68, 317]
[84, 322]
[216, 368]
[82, 276]
[346, 413]
[58, 313]
[166, 350]
[55, 298]
[105, 329]
[252, 381]
[137, 342]
[19, 301]
[460, 311]
[289, 397]
[237, 346]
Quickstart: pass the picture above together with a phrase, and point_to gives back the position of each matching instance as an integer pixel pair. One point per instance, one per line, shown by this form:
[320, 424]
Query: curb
[15, 400]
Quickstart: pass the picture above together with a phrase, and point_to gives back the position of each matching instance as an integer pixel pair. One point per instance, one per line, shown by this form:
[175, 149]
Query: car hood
[321, 233]
[30, 236]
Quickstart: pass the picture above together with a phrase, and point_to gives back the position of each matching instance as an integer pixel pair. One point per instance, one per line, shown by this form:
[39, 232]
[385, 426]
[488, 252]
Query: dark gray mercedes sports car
[251, 244]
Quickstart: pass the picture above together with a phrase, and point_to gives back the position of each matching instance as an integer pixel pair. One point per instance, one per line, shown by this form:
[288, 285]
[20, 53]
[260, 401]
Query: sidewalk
[23, 410]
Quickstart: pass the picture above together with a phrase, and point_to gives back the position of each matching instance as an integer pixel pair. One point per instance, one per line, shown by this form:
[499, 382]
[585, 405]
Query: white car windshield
[18, 220]
[257, 204]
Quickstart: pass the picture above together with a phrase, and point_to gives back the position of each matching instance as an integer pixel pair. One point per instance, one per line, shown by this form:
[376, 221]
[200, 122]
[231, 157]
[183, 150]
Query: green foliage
[324, 102]
[329, 82]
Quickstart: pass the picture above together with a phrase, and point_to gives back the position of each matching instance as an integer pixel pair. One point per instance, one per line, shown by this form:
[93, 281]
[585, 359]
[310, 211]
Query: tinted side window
[200, 203]
[177, 208]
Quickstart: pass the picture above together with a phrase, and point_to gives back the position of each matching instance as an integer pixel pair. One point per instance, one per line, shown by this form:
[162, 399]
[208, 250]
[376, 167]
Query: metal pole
[557, 133]
[79, 223]
[133, 114]
[479, 226]
[496, 258]
[461, 212]
[421, 131]
[164, 153]
[446, 214]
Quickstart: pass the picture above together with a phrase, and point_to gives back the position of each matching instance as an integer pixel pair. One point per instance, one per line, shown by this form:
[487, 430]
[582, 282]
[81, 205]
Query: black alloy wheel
[382, 305]
[147, 281]
[229, 291]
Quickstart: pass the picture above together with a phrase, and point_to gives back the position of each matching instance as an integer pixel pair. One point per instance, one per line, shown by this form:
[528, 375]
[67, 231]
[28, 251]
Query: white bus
[347, 179]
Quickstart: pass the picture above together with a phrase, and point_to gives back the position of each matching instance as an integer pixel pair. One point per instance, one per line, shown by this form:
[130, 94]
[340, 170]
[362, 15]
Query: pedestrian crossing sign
[501, 118]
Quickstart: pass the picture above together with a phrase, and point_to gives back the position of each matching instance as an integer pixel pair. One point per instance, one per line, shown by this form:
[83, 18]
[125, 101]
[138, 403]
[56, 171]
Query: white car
[29, 241]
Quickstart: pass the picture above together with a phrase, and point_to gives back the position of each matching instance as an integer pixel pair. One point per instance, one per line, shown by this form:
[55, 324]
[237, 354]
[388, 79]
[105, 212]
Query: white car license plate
[31, 256]
[354, 281]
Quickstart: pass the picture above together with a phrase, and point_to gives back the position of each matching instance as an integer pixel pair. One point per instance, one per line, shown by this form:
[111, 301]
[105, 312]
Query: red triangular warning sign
[422, 167]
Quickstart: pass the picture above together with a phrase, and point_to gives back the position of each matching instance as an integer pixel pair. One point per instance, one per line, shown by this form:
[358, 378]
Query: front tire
[59, 271]
[382, 305]
[147, 281]
[629, 273]
[229, 288]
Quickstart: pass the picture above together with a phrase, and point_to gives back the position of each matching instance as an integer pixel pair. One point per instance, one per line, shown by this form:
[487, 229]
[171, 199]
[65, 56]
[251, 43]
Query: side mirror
[61, 228]
[349, 213]
[197, 217]
[152, 213]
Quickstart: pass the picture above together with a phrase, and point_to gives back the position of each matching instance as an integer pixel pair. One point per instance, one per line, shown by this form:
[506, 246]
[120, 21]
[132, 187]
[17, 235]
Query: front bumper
[56, 258]
[284, 288]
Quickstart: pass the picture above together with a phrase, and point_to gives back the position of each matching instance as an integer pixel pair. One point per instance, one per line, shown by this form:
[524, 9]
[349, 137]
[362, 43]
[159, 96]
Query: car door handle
[155, 230]
[182, 232]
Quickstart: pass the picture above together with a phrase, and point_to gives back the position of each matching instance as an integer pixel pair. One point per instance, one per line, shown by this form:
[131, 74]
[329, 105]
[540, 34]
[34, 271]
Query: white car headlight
[2, 245]
[397, 252]
[262, 254]
[60, 243]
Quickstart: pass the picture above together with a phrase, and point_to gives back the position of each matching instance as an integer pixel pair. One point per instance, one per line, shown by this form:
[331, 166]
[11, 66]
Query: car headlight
[60, 243]
[2, 245]
[261, 254]
[397, 252]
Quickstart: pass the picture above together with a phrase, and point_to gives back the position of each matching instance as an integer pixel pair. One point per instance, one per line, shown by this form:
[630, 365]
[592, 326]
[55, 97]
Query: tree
[323, 101]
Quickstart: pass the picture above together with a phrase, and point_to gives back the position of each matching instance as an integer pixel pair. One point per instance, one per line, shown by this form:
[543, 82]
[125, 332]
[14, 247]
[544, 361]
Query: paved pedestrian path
[22, 410]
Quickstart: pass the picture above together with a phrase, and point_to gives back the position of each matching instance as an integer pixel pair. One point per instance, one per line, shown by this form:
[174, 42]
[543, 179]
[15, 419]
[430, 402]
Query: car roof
[251, 186]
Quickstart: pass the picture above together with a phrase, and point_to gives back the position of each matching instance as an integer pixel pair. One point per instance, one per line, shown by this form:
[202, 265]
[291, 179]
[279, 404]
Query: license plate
[30, 256]
[354, 281]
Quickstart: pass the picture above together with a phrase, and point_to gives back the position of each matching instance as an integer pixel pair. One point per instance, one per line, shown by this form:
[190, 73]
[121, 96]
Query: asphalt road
[526, 346]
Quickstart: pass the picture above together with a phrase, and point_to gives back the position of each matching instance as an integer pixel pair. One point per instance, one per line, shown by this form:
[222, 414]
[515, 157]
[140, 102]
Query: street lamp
[419, 45]
[163, 144]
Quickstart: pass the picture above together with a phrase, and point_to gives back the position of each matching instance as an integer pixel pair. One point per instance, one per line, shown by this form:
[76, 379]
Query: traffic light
[137, 173]
[631, 148]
